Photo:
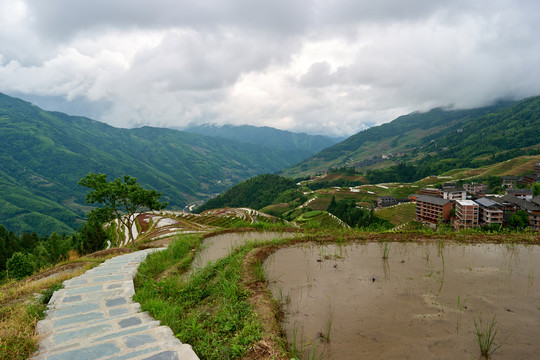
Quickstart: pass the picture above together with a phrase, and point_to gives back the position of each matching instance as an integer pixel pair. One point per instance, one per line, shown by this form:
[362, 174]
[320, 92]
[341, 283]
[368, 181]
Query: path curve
[94, 317]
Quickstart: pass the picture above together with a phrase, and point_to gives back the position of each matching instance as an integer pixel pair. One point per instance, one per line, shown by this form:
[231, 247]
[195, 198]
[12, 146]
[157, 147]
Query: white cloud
[327, 67]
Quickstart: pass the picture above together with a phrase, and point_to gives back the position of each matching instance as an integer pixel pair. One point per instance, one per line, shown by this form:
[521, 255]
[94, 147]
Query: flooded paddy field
[407, 300]
[219, 246]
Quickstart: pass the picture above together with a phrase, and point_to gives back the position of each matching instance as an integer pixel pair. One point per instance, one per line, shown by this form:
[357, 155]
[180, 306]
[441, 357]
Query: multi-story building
[454, 194]
[525, 194]
[433, 209]
[490, 212]
[509, 181]
[383, 201]
[467, 212]
[475, 188]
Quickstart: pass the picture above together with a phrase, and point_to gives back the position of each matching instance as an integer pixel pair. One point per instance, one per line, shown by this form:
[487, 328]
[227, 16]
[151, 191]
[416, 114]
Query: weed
[386, 250]
[485, 336]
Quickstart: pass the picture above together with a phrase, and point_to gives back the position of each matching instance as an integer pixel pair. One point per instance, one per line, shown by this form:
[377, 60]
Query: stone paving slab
[94, 317]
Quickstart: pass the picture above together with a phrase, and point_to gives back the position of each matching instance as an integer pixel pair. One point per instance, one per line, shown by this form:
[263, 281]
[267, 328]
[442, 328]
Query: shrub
[20, 265]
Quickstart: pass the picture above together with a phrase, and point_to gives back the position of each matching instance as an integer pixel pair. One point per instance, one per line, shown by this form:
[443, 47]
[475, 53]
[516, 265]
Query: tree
[519, 220]
[121, 198]
[20, 265]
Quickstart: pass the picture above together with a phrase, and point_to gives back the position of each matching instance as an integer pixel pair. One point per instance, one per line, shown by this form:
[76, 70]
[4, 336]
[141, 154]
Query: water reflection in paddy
[420, 303]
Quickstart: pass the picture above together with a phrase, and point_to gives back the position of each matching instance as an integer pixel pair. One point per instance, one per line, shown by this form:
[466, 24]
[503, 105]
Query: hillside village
[473, 206]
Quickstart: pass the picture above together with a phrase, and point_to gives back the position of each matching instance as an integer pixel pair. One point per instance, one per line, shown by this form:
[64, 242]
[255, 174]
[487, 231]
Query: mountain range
[43, 155]
[300, 145]
[439, 139]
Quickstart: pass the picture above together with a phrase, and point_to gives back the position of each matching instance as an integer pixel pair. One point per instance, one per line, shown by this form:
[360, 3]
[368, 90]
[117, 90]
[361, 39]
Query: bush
[20, 265]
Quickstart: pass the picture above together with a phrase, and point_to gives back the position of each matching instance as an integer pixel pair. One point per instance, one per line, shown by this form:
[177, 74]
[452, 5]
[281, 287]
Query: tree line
[120, 199]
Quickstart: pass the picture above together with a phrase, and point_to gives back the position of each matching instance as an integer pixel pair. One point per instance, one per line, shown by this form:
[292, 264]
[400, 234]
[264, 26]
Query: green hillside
[299, 145]
[44, 154]
[438, 139]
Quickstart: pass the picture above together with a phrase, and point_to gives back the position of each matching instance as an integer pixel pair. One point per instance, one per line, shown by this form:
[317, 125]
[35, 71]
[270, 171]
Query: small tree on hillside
[122, 198]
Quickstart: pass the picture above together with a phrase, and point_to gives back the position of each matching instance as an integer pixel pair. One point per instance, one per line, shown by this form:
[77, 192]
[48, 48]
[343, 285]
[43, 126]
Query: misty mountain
[437, 139]
[44, 154]
[298, 145]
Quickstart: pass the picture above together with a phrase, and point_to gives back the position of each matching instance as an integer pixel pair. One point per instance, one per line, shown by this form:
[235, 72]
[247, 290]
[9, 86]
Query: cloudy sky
[329, 67]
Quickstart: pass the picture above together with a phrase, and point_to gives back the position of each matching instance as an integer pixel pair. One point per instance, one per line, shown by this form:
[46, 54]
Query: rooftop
[520, 191]
[524, 204]
[466, 203]
[486, 202]
[452, 190]
[432, 200]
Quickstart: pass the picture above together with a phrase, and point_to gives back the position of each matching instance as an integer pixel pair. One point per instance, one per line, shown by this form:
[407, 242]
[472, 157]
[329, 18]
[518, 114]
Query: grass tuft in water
[485, 336]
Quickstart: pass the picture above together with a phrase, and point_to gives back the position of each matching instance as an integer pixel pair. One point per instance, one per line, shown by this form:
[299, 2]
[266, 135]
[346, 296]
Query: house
[475, 188]
[454, 194]
[525, 194]
[430, 191]
[384, 201]
[529, 179]
[509, 181]
[490, 212]
[448, 185]
[467, 212]
[433, 209]
[532, 208]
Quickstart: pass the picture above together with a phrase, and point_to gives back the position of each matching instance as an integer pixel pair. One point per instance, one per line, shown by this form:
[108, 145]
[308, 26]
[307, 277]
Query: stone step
[94, 317]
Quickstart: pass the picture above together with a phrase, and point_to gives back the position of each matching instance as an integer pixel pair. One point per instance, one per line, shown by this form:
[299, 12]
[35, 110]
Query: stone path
[93, 317]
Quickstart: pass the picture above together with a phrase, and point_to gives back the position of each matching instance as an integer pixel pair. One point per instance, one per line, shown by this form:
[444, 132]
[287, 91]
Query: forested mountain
[437, 139]
[254, 193]
[44, 154]
[298, 145]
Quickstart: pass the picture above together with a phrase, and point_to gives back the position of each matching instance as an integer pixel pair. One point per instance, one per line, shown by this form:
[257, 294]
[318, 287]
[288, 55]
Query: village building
[475, 188]
[467, 214]
[384, 201]
[448, 185]
[430, 191]
[433, 209]
[525, 194]
[509, 182]
[490, 212]
[454, 194]
[530, 207]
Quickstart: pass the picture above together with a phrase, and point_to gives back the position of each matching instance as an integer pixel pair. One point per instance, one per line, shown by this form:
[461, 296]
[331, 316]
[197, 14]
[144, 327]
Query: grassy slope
[399, 214]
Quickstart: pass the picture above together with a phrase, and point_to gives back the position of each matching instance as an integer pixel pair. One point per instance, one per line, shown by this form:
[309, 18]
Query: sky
[331, 67]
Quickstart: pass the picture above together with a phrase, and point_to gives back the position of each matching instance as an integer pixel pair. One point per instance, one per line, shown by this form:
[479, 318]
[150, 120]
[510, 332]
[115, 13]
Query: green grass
[209, 309]
[485, 336]
[399, 214]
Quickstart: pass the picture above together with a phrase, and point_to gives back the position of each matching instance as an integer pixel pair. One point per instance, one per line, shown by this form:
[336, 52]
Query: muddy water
[216, 247]
[420, 303]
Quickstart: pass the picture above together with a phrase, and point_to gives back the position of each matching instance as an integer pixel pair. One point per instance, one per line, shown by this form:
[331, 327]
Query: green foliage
[294, 146]
[20, 265]
[291, 196]
[120, 198]
[43, 155]
[254, 193]
[209, 309]
[333, 183]
[536, 188]
[485, 336]
[437, 141]
[354, 216]
[519, 220]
